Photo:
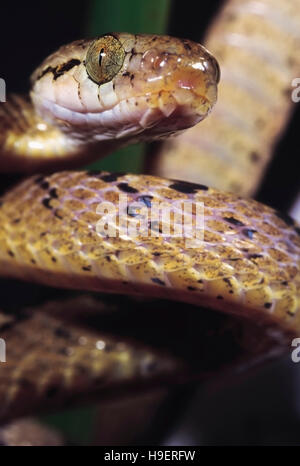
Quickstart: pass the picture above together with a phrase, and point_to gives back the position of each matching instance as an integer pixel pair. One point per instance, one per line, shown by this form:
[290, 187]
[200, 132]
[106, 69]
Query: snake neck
[28, 143]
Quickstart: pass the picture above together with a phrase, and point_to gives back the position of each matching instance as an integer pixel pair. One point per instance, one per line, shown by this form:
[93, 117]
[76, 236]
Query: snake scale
[92, 96]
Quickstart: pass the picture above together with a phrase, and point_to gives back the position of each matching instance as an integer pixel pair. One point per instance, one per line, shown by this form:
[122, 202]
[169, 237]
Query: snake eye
[104, 59]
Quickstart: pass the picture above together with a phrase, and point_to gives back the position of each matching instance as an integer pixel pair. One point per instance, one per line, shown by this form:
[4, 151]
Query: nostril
[160, 61]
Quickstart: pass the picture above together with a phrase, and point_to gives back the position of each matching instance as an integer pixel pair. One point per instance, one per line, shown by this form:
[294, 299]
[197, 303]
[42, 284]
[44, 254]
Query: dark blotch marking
[297, 229]
[285, 283]
[46, 201]
[93, 172]
[187, 188]
[220, 297]
[227, 280]
[234, 221]
[156, 254]
[187, 46]
[11, 253]
[158, 281]
[126, 73]
[111, 177]
[126, 188]
[87, 269]
[191, 288]
[59, 70]
[62, 332]
[254, 157]
[255, 256]
[108, 258]
[53, 193]
[146, 200]
[248, 233]
[44, 185]
[268, 305]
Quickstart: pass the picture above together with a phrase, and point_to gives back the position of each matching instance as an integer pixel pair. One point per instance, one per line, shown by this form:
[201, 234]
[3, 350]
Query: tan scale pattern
[52, 359]
[236, 268]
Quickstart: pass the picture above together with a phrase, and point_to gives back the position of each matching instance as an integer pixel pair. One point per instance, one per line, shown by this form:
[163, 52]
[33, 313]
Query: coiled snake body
[87, 98]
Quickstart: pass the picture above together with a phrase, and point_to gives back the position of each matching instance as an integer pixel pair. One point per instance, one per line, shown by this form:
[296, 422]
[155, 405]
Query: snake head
[124, 86]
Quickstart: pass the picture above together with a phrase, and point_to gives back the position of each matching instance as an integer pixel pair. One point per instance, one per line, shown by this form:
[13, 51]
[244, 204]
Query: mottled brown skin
[236, 267]
[54, 359]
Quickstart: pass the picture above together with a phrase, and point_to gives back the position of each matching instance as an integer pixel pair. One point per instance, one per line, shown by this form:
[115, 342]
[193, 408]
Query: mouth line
[51, 106]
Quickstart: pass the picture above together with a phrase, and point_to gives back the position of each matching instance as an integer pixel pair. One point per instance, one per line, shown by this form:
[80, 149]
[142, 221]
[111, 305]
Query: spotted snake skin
[247, 264]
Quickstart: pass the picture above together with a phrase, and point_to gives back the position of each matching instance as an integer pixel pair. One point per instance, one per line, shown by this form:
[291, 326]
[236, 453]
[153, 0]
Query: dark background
[264, 408]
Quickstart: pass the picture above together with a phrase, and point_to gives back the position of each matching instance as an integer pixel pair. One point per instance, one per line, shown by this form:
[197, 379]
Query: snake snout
[181, 77]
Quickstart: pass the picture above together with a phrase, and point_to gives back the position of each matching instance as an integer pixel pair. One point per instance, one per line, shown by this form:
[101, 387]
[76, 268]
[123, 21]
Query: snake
[93, 96]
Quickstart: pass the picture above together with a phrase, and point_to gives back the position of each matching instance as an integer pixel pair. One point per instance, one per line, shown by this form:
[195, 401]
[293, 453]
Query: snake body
[87, 98]
[237, 258]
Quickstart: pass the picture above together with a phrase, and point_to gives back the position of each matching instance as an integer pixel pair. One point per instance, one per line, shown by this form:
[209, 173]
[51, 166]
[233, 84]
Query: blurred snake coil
[92, 96]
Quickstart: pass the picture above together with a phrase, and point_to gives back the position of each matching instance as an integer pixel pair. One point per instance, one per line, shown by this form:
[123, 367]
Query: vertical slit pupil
[101, 56]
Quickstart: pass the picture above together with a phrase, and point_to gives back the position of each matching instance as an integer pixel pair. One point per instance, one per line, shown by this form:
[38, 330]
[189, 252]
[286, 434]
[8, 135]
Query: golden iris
[104, 59]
